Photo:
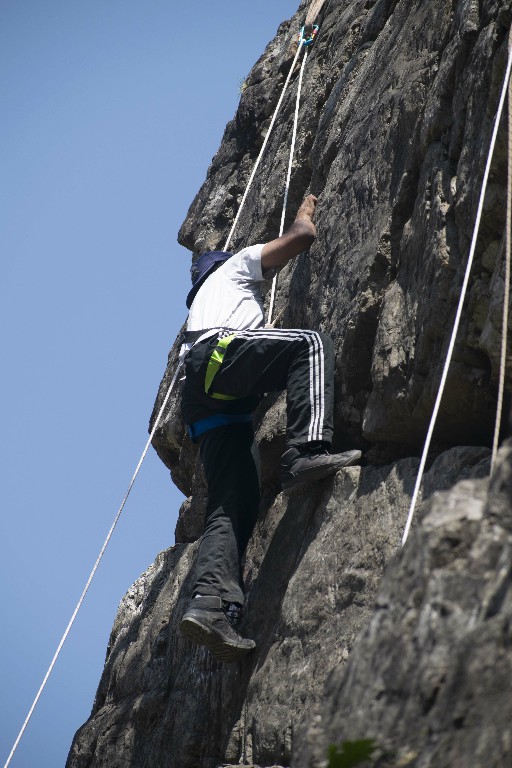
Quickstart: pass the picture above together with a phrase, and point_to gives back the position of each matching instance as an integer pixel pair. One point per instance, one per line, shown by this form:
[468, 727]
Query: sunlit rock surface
[357, 638]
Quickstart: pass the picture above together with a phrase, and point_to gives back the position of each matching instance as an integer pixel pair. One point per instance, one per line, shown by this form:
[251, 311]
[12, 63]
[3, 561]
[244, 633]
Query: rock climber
[231, 360]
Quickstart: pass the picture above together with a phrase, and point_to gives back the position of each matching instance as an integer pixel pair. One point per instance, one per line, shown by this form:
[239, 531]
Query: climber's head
[203, 268]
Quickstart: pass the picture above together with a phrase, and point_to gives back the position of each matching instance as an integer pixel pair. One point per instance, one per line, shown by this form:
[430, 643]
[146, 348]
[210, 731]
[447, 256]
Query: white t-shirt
[230, 297]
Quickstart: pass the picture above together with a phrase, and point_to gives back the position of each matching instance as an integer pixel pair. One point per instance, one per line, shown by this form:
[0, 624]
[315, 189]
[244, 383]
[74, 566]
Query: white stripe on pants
[316, 370]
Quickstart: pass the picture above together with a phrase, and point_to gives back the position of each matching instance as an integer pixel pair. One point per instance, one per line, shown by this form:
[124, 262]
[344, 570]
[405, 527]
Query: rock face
[312, 572]
[429, 678]
[398, 106]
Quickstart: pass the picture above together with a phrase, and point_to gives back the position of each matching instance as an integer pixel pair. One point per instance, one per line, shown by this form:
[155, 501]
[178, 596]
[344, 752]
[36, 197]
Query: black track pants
[255, 362]
[267, 360]
[231, 463]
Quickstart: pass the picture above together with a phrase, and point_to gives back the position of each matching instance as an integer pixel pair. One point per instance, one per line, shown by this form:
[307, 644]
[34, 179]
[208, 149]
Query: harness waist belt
[190, 337]
[216, 420]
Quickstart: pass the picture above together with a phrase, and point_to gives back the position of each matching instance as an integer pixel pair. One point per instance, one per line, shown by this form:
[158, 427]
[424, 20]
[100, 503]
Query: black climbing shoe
[312, 462]
[206, 622]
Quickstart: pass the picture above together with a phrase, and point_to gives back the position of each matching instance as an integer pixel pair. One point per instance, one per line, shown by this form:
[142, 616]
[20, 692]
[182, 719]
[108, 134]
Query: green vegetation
[351, 753]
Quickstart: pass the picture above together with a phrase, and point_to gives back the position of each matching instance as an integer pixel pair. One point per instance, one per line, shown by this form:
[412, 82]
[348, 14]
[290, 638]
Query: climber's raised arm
[299, 237]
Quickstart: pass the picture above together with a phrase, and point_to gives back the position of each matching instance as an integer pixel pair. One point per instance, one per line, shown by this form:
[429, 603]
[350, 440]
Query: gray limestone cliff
[356, 637]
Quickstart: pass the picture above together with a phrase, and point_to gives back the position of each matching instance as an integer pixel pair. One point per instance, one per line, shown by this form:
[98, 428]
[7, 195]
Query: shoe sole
[202, 635]
[321, 472]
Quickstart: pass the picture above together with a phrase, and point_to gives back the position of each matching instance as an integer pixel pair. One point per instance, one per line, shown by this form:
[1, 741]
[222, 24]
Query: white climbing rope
[506, 296]
[461, 302]
[95, 568]
[264, 145]
[288, 176]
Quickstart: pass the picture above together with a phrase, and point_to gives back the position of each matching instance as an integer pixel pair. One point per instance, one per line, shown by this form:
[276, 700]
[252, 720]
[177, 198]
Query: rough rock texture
[429, 680]
[312, 572]
[398, 106]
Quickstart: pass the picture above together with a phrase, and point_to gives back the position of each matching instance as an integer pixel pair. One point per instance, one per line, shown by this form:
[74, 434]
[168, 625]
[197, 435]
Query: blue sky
[111, 113]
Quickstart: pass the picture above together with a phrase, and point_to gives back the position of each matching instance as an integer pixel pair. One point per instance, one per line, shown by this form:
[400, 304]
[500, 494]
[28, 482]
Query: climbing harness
[190, 337]
[215, 419]
[214, 364]
[462, 297]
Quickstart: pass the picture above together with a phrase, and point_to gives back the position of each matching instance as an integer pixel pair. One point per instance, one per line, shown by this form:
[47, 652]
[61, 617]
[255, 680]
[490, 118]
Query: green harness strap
[214, 363]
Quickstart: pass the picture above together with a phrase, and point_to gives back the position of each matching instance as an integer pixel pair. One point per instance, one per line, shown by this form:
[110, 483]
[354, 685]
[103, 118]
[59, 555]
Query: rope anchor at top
[308, 33]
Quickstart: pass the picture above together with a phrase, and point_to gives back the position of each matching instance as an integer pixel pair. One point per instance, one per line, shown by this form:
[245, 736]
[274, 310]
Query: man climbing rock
[232, 359]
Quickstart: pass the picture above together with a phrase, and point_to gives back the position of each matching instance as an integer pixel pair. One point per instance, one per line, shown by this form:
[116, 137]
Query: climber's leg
[231, 463]
[303, 363]
[270, 360]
